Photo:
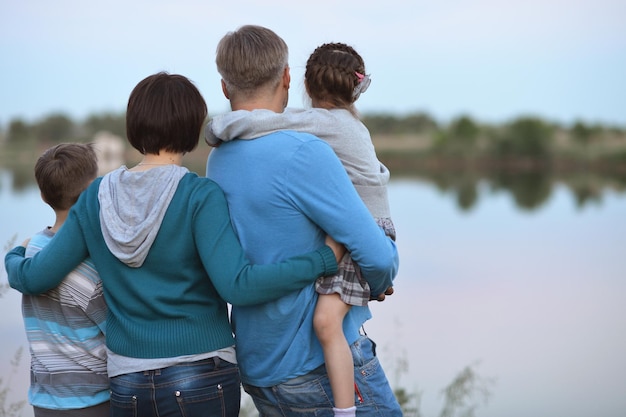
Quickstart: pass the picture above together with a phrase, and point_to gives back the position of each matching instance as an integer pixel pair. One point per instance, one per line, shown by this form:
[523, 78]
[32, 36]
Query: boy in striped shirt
[65, 326]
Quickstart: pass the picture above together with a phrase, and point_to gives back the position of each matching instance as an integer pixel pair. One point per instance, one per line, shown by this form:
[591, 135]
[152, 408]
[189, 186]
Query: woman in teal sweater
[162, 241]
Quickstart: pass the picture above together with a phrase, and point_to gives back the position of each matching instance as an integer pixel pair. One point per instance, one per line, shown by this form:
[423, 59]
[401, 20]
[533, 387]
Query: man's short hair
[251, 57]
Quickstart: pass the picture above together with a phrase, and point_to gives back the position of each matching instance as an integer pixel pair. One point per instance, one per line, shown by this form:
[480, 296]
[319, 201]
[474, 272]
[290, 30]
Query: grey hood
[344, 132]
[132, 207]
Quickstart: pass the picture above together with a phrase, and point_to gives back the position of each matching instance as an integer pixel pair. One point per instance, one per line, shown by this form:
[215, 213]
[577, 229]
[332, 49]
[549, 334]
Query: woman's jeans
[310, 395]
[206, 388]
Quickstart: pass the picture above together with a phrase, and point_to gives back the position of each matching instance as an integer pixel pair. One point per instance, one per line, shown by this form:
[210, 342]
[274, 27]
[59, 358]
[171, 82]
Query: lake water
[534, 301]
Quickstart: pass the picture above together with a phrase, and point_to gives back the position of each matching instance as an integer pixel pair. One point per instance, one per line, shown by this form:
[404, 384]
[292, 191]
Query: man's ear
[286, 77]
[225, 90]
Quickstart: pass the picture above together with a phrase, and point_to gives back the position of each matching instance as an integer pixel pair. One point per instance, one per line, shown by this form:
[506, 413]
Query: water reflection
[537, 298]
[519, 275]
[529, 189]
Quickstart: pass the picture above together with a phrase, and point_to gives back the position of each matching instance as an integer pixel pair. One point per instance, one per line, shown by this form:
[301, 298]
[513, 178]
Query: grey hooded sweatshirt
[132, 207]
[343, 131]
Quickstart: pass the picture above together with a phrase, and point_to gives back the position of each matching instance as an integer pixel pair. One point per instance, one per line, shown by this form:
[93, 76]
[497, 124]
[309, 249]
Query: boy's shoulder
[38, 241]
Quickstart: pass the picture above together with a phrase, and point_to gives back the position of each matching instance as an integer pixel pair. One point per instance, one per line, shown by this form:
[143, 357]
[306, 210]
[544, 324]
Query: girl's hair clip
[361, 87]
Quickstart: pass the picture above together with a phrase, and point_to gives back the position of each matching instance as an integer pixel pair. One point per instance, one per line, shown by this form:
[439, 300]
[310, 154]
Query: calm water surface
[534, 301]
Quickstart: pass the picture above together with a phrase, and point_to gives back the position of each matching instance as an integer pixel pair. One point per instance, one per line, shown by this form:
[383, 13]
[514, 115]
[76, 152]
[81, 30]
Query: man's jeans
[206, 388]
[310, 395]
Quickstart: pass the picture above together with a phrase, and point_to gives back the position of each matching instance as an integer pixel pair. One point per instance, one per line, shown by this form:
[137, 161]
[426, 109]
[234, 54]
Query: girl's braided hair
[330, 74]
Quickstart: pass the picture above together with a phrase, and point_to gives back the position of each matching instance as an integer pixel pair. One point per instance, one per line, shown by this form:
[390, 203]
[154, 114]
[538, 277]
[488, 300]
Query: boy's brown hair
[64, 171]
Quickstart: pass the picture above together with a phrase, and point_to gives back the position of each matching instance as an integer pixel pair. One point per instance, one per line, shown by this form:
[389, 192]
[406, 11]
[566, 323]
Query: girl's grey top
[344, 132]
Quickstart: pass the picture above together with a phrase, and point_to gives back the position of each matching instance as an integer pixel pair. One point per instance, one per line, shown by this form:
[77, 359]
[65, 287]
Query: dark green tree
[393, 124]
[464, 129]
[114, 123]
[525, 137]
[55, 128]
[19, 131]
[581, 132]
[419, 123]
[381, 123]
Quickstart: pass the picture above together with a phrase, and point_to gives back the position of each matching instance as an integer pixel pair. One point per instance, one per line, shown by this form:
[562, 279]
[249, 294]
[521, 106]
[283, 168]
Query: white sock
[345, 412]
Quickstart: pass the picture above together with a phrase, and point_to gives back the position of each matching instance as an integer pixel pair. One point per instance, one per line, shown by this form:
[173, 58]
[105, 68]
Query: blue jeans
[206, 388]
[310, 395]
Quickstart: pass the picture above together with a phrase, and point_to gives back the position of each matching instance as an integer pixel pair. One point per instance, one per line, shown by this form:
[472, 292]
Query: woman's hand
[338, 249]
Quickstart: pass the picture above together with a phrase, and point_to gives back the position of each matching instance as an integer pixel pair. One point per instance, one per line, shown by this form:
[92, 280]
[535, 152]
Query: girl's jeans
[206, 388]
[310, 395]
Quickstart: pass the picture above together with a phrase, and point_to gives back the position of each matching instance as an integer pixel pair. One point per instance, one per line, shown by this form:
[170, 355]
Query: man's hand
[25, 243]
[381, 297]
[338, 249]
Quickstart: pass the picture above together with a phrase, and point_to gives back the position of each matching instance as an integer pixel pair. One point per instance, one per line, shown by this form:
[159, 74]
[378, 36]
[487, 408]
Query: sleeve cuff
[329, 261]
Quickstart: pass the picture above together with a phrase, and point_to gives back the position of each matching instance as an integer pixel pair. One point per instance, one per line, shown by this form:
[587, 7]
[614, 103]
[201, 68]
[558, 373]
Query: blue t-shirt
[285, 192]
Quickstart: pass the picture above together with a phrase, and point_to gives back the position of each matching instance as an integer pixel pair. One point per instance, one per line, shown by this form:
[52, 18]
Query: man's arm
[319, 184]
[236, 280]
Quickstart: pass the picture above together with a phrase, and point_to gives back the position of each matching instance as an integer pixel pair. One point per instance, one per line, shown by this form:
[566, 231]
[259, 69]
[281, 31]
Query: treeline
[56, 128]
[411, 142]
[525, 156]
[465, 127]
[518, 141]
[526, 135]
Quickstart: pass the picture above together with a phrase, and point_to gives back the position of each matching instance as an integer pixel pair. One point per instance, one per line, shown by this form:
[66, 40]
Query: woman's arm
[236, 280]
[48, 267]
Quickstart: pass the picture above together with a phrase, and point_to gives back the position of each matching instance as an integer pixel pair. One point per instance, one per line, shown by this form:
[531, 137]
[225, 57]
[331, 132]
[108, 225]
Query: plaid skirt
[348, 282]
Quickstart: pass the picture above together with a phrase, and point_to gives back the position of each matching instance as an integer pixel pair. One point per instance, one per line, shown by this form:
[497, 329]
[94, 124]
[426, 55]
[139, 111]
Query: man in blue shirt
[286, 191]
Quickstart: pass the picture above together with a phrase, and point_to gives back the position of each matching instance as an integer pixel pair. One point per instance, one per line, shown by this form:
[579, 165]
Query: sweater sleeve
[48, 267]
[236, 280]
[245, 124]
[318, 182]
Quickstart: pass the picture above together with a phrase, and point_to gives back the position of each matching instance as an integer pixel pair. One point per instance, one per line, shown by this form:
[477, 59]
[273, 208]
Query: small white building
[110, 151]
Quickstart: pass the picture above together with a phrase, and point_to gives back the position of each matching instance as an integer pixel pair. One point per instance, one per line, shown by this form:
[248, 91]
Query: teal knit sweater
[175, 303]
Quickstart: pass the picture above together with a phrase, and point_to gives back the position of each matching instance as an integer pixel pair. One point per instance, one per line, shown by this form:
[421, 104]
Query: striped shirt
[65, 331]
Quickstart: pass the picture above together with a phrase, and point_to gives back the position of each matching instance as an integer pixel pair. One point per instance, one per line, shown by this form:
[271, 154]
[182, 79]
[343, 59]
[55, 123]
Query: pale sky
[492, 60]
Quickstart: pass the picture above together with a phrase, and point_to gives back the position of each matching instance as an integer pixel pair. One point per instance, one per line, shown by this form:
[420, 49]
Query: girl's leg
[328, 325]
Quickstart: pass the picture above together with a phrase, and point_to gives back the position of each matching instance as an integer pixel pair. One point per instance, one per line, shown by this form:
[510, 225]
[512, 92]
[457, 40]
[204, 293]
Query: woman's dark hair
[165, 112]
